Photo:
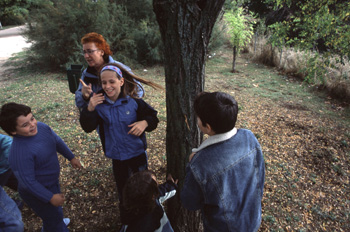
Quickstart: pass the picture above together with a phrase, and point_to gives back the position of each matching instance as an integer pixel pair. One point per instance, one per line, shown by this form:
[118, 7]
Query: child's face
[26, 125]
[111, 84]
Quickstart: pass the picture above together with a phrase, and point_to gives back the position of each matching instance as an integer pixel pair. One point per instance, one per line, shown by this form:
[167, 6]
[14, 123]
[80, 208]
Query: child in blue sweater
[122, 119]
[33, 159]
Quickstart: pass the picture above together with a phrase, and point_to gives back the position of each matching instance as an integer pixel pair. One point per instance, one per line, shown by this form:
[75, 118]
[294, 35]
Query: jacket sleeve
[146, 112]
[166, 191]
[191, 194]
[88, 120]
[79, 100]
[5, 145]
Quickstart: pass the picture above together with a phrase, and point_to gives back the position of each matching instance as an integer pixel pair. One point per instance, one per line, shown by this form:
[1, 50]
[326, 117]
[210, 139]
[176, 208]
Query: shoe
[66, 221]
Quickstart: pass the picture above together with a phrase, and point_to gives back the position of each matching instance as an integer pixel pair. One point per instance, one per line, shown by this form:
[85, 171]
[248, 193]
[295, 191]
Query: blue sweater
[34, 161]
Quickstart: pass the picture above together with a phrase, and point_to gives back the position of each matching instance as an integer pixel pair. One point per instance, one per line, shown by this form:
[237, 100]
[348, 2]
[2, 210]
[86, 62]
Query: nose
[32, 123]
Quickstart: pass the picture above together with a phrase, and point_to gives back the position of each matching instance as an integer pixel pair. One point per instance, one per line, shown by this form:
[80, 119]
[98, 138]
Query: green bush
[55, 31]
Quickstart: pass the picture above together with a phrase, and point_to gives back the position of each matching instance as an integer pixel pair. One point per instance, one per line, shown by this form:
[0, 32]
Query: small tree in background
[240, 29]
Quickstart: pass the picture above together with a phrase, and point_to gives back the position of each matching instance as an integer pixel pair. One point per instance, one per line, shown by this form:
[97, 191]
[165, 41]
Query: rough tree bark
[185, 27]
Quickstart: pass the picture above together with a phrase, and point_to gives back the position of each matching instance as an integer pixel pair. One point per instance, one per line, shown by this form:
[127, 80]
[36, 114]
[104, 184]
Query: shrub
[55, 31]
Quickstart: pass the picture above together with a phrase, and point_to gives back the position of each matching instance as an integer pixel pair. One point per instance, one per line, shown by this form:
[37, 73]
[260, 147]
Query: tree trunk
[185, 27]
[234, 59]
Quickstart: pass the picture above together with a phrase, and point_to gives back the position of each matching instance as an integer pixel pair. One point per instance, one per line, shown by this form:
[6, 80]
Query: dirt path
[10, 43]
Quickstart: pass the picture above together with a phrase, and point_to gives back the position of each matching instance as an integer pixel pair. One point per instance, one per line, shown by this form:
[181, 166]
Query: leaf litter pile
[305, 138]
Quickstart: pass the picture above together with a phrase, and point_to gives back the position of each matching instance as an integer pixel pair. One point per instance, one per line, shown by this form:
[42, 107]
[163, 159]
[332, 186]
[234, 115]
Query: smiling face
[26, 125]
[111, 84]
[93, 55]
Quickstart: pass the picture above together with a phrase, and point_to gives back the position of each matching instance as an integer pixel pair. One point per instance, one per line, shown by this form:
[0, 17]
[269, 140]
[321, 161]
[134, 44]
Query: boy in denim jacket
[225, 175]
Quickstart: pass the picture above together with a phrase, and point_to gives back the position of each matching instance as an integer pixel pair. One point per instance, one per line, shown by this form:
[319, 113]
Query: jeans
[52, 216]
[10, 216]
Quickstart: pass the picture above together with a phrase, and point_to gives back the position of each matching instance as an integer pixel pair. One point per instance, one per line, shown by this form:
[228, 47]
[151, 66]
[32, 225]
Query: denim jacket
[225, 180]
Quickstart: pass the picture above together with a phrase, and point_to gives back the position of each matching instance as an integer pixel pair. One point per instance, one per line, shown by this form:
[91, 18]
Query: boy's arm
[146, 112]
[61, 147]
[191, 194]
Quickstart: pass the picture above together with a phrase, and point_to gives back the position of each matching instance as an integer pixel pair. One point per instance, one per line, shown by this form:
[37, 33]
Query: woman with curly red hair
[96, 52]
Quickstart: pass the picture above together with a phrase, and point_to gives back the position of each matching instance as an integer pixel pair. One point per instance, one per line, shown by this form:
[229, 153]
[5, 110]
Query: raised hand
[86, 90]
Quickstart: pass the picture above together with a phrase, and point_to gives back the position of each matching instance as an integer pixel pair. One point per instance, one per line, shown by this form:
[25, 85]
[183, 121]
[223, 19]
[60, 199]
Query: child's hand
[137, 128]
[170, 178]
[95, 100]
[191, 156]
[75, 163]
[57, 199]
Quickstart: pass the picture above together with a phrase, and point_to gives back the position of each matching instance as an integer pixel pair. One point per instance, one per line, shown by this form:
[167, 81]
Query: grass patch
[305, 138]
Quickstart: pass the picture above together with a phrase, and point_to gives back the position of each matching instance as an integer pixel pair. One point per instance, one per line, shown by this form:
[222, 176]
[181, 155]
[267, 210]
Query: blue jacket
[5, 145]
[10, 216]
[113, 120]
[225, 180]
[90, 75]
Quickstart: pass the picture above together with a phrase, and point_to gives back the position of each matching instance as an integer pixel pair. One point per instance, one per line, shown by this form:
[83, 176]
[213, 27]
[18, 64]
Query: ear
[122, 81]
[209, 130]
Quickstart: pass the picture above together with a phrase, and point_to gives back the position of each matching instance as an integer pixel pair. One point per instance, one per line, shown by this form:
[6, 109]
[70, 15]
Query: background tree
[318, 26]
[240, 30]
[185, 28]
[55, 30]
[15, 12]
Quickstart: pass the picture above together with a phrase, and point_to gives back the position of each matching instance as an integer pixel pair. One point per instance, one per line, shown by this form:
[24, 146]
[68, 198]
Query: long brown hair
[140, 193]
[130, 86]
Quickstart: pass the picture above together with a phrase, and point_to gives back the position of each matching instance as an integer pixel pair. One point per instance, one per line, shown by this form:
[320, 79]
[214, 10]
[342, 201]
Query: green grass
[305, 137]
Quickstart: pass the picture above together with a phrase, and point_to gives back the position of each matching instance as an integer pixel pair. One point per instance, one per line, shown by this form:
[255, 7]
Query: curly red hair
[99, 41]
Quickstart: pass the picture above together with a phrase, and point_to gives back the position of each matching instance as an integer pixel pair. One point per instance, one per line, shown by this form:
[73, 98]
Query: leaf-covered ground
[305, 138]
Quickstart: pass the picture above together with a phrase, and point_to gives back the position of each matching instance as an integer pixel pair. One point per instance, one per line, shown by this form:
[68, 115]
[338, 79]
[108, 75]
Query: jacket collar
[216, 139]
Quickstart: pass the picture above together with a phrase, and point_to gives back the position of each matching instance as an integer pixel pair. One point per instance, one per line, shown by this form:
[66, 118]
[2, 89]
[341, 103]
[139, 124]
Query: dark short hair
[9, 114]
[217, 109]
[140, 193]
